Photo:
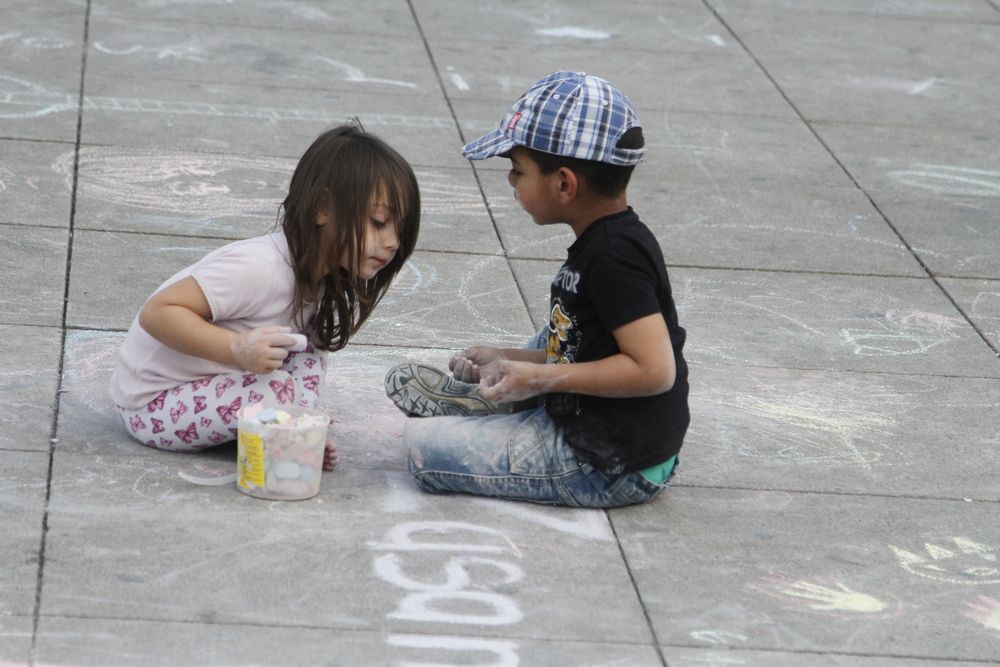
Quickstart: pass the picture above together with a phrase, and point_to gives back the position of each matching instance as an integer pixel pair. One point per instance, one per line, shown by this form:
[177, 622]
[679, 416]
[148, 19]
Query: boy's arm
[644, 367]
[178, 316]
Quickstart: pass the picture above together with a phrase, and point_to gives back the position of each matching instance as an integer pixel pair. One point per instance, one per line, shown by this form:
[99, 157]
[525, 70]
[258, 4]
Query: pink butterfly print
[157, 403]
[221, 388]
[233, 431]
[136, 423]
[229, 412]
[188, 434]
[199, 404]
[175, 413]
[176, 390]
[217, 437]
[309, 362]
[249, 379]
[151, 443]
[166, 443]
[198, 384]
[283, 391]
[205, 422]
[254, 397]
[157, 424]
[310, 382]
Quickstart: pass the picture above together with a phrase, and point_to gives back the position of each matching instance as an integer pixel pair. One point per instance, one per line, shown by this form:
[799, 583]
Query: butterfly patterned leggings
[203, 413]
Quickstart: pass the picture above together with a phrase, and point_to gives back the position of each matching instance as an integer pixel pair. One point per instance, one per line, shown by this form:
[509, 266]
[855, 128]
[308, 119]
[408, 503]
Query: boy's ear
[568, 184]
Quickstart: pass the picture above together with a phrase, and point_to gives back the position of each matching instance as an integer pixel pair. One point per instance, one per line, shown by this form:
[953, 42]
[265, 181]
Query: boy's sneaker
[425, 391]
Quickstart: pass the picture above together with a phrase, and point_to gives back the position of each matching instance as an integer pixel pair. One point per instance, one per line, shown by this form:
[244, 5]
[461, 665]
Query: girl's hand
[466, 365]
[331, 456]
[260, 350]
[505, 381]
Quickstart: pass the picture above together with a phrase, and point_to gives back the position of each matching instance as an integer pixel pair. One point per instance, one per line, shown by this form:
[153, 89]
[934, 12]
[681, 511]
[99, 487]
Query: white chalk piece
[300, 342]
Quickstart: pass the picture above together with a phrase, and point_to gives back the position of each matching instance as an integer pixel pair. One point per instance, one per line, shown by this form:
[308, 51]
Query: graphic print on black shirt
[561, 347]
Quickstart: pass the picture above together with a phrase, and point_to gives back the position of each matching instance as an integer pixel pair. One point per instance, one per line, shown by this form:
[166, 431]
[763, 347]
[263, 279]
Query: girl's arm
[644, 366]
[178, 316]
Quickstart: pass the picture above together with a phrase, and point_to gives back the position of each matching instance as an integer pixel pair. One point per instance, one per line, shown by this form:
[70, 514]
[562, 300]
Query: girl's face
[380, 243]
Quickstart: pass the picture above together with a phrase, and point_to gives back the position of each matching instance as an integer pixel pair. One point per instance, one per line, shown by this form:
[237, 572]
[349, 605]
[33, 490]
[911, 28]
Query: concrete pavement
[824, 178]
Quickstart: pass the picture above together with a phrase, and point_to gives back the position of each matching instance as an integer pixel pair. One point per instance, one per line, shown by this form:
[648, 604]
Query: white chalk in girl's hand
[300, 342]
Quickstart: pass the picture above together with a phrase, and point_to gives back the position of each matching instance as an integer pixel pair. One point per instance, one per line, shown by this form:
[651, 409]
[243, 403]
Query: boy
[593, 412]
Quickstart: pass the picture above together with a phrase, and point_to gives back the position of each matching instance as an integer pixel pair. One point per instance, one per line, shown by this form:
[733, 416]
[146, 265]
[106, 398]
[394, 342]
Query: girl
[213, 338]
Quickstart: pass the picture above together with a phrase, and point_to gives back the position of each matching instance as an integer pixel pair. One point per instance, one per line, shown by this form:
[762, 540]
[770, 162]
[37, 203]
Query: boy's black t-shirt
[615, 274]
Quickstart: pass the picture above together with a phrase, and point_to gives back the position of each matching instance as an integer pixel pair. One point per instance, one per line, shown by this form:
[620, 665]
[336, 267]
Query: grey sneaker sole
[425, 391]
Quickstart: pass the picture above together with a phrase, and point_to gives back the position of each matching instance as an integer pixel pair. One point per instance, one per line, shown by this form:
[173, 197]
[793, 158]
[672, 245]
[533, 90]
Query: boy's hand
[505, 381]
[467, 364]
[261, 350]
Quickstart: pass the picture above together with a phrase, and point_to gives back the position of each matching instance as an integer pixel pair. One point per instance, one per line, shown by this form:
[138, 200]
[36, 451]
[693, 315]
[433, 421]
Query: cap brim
[489, 145]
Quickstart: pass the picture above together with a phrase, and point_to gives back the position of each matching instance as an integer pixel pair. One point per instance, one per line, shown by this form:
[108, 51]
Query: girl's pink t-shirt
[248, 284]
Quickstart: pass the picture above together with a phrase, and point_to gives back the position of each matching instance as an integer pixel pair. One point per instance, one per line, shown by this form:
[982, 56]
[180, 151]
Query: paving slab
[980, 301]
[129, 539]
[95, 642]
[952, 235]
[29, 377]
[130, 266]
[699, 657]
[854, 433]
[809, 321]
[144, 49]
[650, 27]
[262, 120]
[809, 229]
[30, 187]
[41, 111]
[818, 573]
[189, 193]
[380, 17]
[40, 71]
[22, 497]
[835, 67]
[940, 10]
[722, 82]
[15, 639]
[33, 280]
[912, 161]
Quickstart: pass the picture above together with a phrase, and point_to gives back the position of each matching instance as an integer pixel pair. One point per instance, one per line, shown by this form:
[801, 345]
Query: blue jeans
[520, 456]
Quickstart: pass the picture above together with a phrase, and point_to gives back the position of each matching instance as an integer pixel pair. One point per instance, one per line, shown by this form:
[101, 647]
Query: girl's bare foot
[330, 455]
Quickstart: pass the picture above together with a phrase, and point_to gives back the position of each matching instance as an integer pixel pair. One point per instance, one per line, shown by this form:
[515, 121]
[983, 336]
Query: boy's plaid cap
[572, 114]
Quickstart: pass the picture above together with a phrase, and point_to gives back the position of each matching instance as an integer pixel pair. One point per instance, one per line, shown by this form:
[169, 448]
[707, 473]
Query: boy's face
[535, 191]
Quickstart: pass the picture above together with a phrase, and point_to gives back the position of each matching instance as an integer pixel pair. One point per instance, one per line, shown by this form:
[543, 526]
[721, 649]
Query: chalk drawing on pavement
[950, 180]
[985, 611]
[959, 560]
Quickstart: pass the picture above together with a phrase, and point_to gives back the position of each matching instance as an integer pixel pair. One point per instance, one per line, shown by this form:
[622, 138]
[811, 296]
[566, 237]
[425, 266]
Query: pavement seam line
[638, 593]
[57, 399]
[916, 256]
[475, 172]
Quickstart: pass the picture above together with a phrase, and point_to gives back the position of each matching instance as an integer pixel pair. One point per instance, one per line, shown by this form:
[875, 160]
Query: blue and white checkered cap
[572, 114]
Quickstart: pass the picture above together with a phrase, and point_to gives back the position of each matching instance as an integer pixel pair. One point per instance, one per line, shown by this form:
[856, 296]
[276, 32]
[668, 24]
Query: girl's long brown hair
[343, 173]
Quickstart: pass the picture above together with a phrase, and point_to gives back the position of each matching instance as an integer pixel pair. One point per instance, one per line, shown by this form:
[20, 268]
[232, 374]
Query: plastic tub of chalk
[280, 452]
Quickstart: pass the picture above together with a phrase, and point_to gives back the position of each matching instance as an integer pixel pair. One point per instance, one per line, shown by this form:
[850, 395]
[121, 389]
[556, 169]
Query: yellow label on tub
[250, 460]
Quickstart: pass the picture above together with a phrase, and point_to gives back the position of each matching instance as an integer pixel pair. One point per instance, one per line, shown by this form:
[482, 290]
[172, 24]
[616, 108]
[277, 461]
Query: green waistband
[659, 473]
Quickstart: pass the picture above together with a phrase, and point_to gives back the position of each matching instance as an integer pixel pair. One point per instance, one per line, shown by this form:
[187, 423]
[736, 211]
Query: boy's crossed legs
[520, 455]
